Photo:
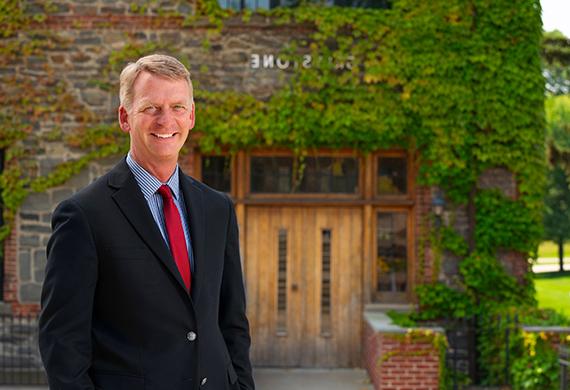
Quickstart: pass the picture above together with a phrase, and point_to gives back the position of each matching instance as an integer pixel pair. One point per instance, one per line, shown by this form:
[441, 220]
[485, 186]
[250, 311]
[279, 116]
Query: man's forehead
[155, 77]
[148, 87]
[172, 99]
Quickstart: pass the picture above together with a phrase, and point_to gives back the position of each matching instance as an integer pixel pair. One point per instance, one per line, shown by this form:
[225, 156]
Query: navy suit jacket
[115, 312]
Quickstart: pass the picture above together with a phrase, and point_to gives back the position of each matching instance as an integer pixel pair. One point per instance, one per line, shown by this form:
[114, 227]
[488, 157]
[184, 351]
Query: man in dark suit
[143, 286]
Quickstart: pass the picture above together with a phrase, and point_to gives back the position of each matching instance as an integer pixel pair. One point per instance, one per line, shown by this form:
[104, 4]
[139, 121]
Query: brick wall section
[371, 354]
[394, 364]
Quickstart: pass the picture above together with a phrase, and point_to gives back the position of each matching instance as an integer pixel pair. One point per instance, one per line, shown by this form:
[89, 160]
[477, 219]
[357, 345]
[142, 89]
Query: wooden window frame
[394, 297]
[392, 203]
[233, 176]
[410, 172]
[300, 196]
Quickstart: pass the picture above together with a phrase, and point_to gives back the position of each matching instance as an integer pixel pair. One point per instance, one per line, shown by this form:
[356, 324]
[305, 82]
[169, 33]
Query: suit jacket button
[191, 336]
[203, 382]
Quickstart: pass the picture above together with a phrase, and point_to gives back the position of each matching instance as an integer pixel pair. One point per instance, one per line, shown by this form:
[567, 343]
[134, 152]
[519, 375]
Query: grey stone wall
[35, 228]
[84, 34]
[112, 7]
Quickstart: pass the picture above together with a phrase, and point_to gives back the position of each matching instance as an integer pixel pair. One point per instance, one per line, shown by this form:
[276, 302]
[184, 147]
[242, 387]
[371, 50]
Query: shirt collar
[150, 184]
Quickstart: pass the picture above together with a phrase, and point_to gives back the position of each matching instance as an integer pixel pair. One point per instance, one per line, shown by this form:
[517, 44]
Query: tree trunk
[561, 253]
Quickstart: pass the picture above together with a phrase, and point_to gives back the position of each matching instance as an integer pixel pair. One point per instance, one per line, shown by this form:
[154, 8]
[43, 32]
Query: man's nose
[165, 118]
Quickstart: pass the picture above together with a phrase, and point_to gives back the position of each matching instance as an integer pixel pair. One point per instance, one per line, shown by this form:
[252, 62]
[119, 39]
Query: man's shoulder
[98, 190]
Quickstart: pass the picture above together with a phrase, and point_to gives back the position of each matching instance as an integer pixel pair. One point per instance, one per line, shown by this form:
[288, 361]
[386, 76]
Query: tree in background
[557, 210]
[556, 62]
[557, 200]
[556, 70]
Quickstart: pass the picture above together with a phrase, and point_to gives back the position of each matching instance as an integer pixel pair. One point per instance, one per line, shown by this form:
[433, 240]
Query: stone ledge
[547, 329]
[380, 323]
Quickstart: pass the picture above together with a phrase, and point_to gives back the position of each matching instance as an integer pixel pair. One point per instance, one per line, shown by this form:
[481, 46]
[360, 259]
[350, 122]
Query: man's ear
[192, 116]
[124, 119]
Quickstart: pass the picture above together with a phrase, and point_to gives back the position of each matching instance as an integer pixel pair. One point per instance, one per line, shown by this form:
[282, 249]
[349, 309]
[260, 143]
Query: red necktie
[175, 234]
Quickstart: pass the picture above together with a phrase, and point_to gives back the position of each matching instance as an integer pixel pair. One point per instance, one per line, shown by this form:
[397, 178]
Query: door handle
[294, 287]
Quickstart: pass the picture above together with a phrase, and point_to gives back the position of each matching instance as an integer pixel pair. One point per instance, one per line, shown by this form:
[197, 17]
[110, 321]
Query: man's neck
[162, 170]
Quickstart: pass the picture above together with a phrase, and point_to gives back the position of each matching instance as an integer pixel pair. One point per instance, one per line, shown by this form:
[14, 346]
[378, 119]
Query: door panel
[320, 296]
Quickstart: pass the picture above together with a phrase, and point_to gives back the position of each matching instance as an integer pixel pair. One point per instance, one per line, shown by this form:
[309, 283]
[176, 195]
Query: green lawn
[554, 292]
[550, 249]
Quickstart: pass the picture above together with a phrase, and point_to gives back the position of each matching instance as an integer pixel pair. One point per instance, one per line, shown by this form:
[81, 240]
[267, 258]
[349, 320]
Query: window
[282, 283]
[216, 172]
[326, 320]
[392, 176]
[320, 175]
[269, 4]
[392, 252]
[254, 4]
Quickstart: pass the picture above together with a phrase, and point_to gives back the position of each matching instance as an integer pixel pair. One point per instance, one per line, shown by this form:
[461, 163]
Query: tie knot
[165, 192]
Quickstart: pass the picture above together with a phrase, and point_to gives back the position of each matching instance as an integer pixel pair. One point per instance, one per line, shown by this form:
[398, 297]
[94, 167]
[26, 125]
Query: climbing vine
[459, 82]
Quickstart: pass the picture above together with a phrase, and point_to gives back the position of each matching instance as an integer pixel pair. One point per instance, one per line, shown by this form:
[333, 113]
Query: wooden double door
[303, 270]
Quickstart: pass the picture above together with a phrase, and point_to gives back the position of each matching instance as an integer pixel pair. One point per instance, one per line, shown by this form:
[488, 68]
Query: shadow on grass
[552, 275]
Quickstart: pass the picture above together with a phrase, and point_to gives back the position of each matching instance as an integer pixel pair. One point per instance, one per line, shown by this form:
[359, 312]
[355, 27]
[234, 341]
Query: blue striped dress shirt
[149, 186]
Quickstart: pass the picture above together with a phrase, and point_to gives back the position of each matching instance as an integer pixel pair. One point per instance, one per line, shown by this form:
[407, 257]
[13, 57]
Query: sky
[556, 15]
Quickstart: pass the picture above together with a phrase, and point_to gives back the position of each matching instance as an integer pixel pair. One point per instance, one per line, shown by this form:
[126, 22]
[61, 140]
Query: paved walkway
[287, 379]
[311, 379]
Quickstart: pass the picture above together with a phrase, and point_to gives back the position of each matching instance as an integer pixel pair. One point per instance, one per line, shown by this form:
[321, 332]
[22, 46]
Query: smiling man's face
[161, 116]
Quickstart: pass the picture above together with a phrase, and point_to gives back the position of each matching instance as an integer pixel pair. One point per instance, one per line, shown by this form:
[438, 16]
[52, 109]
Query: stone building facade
[86, 34]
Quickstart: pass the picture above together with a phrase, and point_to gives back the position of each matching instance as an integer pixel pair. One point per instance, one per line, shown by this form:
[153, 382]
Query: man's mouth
[164, 136]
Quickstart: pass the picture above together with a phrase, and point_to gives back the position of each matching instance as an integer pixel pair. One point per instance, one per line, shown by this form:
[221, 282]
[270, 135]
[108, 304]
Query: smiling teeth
[164, 135]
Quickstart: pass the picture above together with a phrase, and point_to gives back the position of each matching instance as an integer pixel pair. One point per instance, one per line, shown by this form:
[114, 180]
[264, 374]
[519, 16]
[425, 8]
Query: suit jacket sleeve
[232, 317]
[67, 300]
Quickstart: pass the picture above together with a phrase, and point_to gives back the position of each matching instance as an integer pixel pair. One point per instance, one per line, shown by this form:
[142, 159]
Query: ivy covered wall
[457, 83]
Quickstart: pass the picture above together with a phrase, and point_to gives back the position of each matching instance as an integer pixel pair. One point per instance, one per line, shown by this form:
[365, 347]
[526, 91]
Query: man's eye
[150, 109]
[179, 107]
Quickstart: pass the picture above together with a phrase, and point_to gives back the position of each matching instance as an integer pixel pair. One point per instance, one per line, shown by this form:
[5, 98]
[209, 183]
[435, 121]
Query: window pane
[330, 175]
[269, 4]
[282, 282]
[216, 172]
[392, 252]
[326, 320]
[271, 174]
[392, 176]
[255, 4]
[321, 175]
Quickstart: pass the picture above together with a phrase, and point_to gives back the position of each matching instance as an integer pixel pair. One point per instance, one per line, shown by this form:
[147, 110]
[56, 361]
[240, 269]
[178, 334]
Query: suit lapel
[193, 199]
[132, 203]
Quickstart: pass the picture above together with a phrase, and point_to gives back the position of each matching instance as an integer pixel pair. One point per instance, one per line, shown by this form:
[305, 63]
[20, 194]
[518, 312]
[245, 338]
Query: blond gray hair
[157, 64]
